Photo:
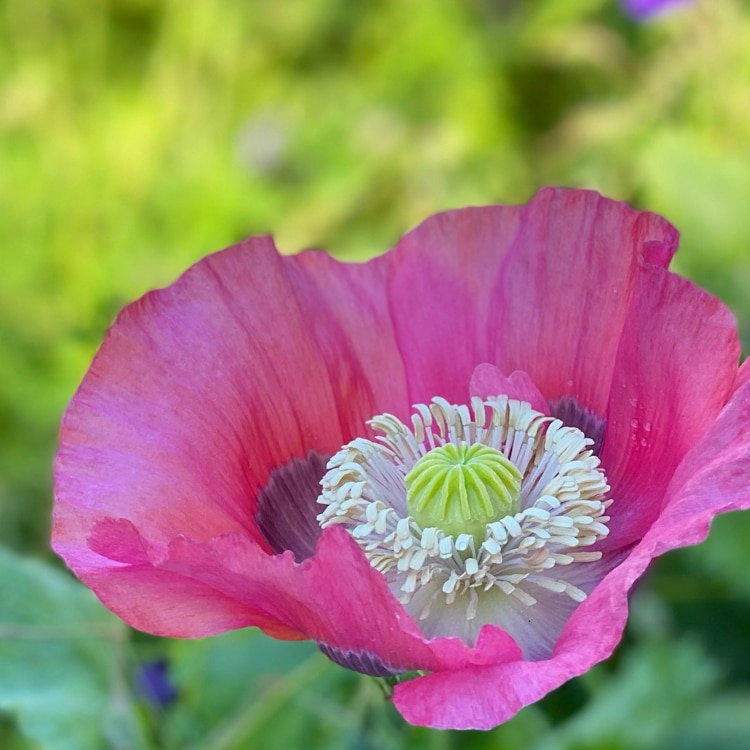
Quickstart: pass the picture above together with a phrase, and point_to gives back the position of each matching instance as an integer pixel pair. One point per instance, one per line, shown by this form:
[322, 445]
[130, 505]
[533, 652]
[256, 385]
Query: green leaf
[722, 724]
[61, 661]
[644, 703]
[233, 686]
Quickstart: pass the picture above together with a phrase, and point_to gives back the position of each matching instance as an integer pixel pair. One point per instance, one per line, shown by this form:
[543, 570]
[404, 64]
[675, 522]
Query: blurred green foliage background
[137, 136]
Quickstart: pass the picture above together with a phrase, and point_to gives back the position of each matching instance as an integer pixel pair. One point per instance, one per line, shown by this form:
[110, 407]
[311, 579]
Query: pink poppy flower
[244, 450]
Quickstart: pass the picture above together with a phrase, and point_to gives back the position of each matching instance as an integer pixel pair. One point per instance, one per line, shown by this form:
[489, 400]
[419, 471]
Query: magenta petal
[566, 285]
[162, 603]
[228, 366]
[202, 389]
[487, 380]
[141, 589]
[743, 376]
[715, 475]
[119, 541]
[473, 698]
[441, 285]
[193, 589]
[676, 365]
[335, 598]
[542, 288]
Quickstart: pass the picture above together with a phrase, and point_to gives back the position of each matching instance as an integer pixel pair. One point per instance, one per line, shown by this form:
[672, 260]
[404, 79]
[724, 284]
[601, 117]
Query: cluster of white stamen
[562, 503]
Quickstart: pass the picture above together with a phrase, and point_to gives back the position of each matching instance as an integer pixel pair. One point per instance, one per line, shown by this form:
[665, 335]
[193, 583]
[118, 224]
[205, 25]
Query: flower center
[492, 501]
[460, 488]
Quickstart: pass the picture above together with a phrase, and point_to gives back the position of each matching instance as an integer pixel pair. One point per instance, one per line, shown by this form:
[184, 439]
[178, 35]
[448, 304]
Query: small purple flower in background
[154, 684]
[453, 460]
[643, 9]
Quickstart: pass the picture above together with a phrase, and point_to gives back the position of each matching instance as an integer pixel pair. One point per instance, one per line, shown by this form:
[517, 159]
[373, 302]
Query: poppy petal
[676, 365]
[203, 389]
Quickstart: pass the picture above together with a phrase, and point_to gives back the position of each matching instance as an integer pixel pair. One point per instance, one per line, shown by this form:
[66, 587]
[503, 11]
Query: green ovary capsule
[459, 489]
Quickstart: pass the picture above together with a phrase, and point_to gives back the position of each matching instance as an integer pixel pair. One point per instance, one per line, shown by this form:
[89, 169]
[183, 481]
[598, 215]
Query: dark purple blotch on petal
[571, 413]
[287, 506]
[359, 661]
